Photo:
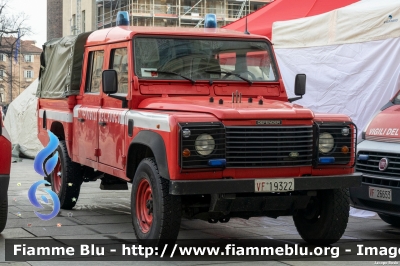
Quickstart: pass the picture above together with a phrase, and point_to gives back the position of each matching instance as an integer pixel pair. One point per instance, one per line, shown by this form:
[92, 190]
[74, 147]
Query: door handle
[102, 123]
[81, 119]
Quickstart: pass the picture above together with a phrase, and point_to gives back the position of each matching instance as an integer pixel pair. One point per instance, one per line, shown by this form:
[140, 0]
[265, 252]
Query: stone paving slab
[271, 231]
[106, 215]
[63, 230]
[118, 218]
[228, 233]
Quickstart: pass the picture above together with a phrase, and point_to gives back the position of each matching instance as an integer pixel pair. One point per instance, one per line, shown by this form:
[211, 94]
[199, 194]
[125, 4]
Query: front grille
[344, 147]
[375, 180]
[195, 160]
[269, 146]
[371, 166]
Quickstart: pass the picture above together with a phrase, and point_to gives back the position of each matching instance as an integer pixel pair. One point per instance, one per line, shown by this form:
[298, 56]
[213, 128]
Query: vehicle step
[116, 186]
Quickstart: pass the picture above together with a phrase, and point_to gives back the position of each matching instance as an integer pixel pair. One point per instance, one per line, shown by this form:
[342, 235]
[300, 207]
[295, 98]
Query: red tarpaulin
[260, 21]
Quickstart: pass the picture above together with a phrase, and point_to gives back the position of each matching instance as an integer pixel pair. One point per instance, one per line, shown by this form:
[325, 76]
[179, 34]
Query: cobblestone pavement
[106, 215]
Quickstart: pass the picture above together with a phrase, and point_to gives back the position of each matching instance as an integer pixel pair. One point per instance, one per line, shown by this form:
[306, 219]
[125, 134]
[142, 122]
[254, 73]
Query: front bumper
[196, 187]
[359, 198]
[4, 181]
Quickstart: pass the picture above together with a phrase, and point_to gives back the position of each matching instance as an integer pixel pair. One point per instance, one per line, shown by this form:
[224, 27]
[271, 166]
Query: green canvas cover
[61, 66]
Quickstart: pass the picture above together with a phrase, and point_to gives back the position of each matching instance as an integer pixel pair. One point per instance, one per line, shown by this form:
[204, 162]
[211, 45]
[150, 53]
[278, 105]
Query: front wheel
[390, 219]
[156, 215]
[325, 219]
[66, 178]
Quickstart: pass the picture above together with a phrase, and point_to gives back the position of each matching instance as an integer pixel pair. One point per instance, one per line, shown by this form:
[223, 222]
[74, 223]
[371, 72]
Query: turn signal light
[186, 153]
[345, 149]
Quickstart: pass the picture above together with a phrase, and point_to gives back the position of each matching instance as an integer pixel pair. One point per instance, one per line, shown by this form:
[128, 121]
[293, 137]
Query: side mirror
[110, 81]
[110, 86]
[299, 87]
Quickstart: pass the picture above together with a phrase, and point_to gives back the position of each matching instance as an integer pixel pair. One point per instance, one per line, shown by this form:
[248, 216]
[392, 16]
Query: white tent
[351, 57]
[21, 121]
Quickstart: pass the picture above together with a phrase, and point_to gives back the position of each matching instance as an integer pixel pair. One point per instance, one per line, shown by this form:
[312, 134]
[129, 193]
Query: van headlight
[205, 144]
[326, 142]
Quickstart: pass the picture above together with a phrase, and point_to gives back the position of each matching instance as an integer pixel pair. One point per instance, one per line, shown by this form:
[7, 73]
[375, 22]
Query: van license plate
[274, 185]
[380, 193]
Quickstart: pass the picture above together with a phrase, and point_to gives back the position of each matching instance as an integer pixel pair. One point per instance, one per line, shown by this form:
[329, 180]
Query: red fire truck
[198, 120]
[379, 161]
[5, 167]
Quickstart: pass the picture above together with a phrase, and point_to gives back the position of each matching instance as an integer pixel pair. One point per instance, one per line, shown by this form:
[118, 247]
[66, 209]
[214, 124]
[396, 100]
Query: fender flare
[156, 144]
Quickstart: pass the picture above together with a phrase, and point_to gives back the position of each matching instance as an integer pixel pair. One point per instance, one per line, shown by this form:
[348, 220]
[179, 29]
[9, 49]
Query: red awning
[260, 21]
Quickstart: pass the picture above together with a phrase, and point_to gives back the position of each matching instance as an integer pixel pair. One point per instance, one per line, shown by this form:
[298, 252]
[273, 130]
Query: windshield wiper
[172, 73]
[228, 74]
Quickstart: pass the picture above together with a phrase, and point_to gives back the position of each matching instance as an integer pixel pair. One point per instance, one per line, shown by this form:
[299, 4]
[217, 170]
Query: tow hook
[224, 220]
[212, 221]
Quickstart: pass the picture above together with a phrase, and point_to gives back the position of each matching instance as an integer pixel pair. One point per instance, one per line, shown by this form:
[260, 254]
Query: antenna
[245, 30]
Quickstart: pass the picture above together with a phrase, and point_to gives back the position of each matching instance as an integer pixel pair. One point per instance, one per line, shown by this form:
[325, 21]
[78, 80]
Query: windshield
[203, 59]
[397, 98]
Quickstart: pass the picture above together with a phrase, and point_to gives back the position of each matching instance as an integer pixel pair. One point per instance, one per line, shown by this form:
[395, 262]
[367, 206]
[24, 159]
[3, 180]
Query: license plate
[380, 193]
[274, 185]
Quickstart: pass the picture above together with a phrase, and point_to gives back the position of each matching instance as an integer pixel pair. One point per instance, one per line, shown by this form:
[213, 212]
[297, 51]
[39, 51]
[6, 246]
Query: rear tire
[156, 215]
[390, 219]
[66, 178]
[325, 219]
[3, 214]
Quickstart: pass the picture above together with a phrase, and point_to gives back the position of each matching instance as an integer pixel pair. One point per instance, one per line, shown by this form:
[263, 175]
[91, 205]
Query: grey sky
[37, 18]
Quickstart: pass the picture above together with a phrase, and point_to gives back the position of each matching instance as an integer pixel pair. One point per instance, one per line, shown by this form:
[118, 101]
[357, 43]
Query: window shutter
[28, 58]
[28, 74]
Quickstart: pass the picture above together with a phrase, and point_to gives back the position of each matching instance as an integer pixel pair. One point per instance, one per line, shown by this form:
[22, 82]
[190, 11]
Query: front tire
[390, 219]
[3, 213]
[156, 215]
[325, 219]
[66, 178]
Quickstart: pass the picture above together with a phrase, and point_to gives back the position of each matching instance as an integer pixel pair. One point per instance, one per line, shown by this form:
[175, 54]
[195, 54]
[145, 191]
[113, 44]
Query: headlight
[204, 144]
[326, 142]
[345, 131]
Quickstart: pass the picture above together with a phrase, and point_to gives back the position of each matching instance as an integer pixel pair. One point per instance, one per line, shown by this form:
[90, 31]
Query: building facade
[54, 19]
[87, 15]
[78, 16]
[16, 75]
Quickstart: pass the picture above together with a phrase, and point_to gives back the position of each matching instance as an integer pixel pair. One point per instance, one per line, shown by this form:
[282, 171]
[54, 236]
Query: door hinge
[97, 152]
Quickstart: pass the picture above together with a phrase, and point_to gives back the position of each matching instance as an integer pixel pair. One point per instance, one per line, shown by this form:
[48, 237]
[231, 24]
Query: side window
[119, 62]
[95, 68]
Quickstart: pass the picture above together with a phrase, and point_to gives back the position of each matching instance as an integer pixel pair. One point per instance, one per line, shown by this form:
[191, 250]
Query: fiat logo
[383, 164]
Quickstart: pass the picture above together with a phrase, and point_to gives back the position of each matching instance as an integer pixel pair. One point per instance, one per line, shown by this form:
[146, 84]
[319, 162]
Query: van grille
[371, 166]
[269, 146]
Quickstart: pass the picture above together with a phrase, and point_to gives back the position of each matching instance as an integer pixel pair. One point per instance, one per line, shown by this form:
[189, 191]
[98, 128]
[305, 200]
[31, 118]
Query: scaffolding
[75, 20]
[78, 17]
[174, 13]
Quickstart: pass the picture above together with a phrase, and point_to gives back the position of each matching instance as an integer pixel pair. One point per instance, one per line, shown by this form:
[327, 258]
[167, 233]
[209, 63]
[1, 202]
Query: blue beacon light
[210, 21]
[122, 18]
[217, 162]
[363, 157]
[326, 160]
